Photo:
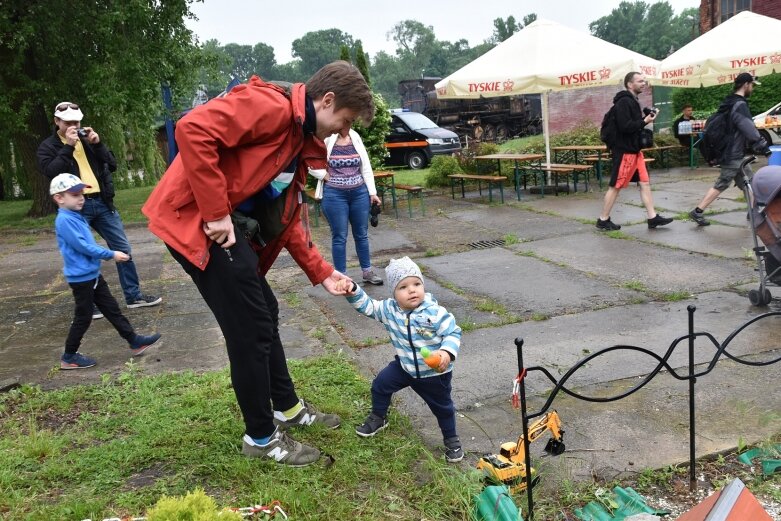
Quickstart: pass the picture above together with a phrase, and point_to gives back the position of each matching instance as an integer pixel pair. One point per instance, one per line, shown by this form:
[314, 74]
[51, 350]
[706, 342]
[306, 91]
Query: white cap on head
[68, 112]
[400, 269]
[67, 183]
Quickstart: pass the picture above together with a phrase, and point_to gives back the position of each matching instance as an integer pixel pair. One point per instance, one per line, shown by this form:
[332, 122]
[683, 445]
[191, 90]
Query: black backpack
[717, 135]
[608, 131]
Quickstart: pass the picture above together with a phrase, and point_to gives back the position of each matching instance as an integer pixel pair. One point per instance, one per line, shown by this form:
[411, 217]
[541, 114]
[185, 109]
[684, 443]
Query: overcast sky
[277, 24]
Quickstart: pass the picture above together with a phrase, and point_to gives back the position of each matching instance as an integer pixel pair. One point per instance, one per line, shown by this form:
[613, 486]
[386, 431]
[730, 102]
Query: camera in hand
[82, 132]
[650, 110]
[374, 211]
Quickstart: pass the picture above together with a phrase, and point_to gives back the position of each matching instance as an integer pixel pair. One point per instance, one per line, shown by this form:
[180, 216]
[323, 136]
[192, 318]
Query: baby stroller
[762, 194]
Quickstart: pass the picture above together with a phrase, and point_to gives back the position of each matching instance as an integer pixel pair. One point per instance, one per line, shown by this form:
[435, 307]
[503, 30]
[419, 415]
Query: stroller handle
[747, 161]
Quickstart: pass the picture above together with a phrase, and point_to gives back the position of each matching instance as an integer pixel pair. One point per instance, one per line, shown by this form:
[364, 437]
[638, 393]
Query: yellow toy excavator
[509, 466]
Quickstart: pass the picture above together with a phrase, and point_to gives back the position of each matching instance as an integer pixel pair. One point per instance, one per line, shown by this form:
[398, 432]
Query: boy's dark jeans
[88, 294]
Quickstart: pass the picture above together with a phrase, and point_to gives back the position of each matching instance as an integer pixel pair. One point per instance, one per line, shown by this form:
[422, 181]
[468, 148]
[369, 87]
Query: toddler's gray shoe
[282, 449]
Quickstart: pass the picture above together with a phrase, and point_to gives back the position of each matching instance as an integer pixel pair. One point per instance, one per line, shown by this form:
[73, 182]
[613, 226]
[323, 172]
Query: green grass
[113, 449]
[13, 214]
[410, 177]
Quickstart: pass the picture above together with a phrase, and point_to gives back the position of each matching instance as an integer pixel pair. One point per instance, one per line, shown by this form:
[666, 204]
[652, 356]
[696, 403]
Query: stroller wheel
[758, 298]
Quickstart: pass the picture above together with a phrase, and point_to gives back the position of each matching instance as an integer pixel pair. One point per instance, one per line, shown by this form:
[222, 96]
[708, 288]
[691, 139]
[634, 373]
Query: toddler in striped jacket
[414, 320]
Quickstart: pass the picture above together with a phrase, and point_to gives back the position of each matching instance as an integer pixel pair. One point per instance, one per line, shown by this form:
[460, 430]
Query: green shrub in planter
[441, 167]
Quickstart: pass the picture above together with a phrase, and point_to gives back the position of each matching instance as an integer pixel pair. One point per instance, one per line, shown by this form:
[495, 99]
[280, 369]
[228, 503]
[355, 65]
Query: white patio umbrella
[545, 56]
[747, 42]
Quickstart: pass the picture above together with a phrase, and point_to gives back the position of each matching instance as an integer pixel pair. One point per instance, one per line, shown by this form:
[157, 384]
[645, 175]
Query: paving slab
[524, 285]
[523, 224]
[621, 261]
[724, 241]
[588, 207]
[683, 197]
[737, 218]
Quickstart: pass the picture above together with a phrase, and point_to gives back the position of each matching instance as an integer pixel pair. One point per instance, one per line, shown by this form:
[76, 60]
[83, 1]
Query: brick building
[569, 108]
[713, 12]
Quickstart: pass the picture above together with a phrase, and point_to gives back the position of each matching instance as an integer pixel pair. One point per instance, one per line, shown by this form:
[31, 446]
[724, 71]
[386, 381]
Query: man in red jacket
[247, 155]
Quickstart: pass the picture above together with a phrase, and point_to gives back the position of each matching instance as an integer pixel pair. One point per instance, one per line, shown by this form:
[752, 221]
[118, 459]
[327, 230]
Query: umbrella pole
[545, 129]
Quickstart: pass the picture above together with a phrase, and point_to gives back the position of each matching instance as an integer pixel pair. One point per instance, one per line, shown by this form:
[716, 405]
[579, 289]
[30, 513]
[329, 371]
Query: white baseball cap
[67, 183]
[67, 111]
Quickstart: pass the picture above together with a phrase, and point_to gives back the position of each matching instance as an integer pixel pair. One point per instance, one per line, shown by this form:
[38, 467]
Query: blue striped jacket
[428, 325]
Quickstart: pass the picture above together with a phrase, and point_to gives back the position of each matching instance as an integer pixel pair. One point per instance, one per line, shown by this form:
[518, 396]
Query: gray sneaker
[307, 416]
[369, 277]
[698, 218]
[282, 449]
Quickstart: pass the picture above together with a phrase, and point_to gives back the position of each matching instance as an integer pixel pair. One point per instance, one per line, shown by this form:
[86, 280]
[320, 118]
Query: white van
[771, 135]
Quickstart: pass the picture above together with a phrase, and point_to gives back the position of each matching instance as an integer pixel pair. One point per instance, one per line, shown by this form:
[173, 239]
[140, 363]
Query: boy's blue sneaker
[143, 342]
[76, 361]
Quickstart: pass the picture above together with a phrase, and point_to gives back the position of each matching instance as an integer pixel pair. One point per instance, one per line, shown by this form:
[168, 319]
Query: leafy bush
[467, 158]
[585, 134]
[374, 135]
[441, 167]
[707, 99]
[195, 506]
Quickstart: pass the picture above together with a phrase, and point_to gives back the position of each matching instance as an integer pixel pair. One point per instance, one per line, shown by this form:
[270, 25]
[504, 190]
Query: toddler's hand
[444, 360]
[121, 256]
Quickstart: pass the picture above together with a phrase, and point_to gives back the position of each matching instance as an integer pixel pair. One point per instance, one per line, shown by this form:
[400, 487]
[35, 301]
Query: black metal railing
[663, 363]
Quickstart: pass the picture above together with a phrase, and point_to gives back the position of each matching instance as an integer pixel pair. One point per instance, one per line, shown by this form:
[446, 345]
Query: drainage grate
[482, 245]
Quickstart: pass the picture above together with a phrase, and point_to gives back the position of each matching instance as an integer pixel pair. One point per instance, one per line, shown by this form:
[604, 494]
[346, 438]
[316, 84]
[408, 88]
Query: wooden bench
[542, 171]
[411, 192]
[490, 179]
[662, 152]
[310, 198]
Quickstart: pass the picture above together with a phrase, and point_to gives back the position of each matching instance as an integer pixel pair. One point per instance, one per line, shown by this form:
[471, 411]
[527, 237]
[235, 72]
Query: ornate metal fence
[691, 376]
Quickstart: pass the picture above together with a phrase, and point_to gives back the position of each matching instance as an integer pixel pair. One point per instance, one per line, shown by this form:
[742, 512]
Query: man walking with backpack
[738, 132]
[623, 140]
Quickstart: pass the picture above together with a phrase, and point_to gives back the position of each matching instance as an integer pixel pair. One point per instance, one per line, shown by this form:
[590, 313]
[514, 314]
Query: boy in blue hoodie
[82, 256]
[414, 321]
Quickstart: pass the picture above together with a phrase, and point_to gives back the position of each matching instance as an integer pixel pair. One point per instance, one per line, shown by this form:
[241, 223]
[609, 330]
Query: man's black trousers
[248, 314]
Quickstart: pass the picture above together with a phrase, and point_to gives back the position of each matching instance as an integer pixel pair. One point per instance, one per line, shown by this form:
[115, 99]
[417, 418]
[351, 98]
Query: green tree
[108, 57]
[319, 48]
[345, 54]
[503, 29]
[374, 135]
[247, 60]
[386, 71]
[650, 29]
[361, 62]
[416, 44]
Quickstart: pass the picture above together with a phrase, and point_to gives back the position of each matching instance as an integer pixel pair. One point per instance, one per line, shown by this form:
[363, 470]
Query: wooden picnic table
[516, 158]
[574, 150]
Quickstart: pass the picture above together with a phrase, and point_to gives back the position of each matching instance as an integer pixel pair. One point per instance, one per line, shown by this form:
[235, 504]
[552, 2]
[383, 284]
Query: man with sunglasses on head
[79, 151]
